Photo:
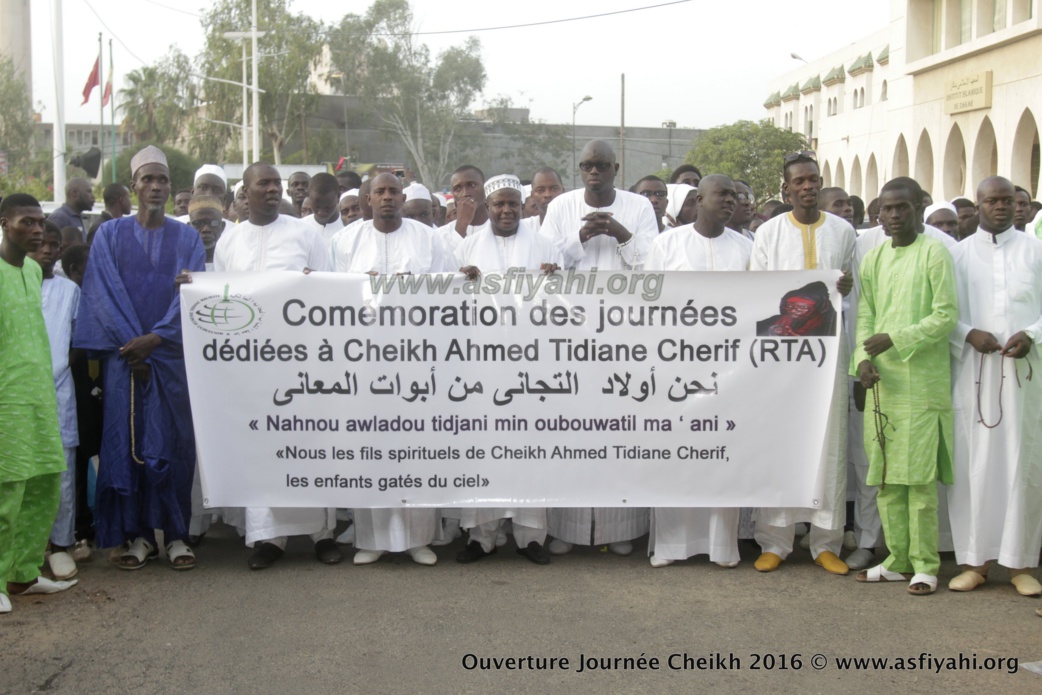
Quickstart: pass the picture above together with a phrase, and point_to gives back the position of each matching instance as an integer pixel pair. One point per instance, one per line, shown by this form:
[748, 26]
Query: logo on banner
[227, 314]
[806, 311]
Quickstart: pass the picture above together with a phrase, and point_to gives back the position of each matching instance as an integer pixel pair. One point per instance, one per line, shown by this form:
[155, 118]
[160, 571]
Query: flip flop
[929, 581]
[180, 555]
[879, 574]
[44, 585]
[137, 555]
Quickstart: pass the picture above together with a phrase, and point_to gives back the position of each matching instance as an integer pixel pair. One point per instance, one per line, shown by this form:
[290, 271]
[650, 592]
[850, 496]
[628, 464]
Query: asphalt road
[397, 627]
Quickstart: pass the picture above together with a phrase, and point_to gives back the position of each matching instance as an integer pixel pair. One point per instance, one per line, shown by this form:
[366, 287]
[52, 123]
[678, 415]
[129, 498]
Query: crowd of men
[934, 412]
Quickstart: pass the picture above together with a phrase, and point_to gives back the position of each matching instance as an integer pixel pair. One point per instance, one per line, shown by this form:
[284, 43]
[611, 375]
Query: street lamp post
[242, 36]
[669, 126]
[575, 107]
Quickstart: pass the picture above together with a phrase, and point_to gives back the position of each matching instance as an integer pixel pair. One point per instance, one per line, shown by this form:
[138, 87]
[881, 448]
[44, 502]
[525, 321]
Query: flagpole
[101, 107]
[112, 111]
[58, 134]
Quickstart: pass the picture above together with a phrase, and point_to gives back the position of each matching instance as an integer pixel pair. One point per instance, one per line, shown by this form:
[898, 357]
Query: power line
[173, 9]
[534, 24]
[134, 55]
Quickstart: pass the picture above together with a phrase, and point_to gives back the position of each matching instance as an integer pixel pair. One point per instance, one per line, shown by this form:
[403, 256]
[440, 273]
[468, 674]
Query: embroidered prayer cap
[416, 191]
[149, 155]
[347, 194]
[211, 169]
[237, 187]
[204, 202]
[938, 206]
[504, 181]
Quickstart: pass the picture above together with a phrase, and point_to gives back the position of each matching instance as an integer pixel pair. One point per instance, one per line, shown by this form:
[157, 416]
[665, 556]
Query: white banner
[578, 389]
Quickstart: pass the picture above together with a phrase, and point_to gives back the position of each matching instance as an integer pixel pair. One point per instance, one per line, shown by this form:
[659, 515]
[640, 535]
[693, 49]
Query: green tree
[16, 116]
[159, 99]
[289, 51]
[423, 100]
[753, 152]
[534, 144]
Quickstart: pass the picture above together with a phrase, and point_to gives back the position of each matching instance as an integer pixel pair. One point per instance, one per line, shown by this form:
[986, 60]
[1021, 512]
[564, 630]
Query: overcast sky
[700, 63]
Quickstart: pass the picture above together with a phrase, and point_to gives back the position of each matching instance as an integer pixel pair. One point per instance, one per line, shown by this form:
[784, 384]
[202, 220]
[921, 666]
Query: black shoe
[194, 541]
[327, 552]
[264, 556]
[535, 553]
[473, 552]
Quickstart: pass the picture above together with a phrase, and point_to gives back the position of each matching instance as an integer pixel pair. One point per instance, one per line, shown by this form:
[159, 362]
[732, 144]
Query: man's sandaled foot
[879, 573]
[264, 556]
[327, 553]
[82, 552]
[1026, 585]
[137, 555]
[180, 555]
[43, 585]
[968, 580]
[831, 563]
[767, 562]
[922, 585]
[62, 565]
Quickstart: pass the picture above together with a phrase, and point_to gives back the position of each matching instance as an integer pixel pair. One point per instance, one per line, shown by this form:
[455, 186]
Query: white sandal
[137, 555]
[879, 573]
[928, 579]
[178, 550]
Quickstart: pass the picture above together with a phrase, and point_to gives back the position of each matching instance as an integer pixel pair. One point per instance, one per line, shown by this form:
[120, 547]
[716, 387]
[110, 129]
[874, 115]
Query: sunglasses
[200, 225]
[599, 166]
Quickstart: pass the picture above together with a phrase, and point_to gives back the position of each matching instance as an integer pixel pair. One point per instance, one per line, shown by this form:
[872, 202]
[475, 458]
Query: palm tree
[158, 99]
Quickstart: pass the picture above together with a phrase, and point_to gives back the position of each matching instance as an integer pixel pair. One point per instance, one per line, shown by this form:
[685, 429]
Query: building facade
[949, 94]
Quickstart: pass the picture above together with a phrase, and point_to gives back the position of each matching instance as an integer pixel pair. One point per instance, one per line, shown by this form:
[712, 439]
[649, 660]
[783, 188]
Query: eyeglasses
[743, 199]
[654, 194]
[599, 166]
[202, 224]
[804, 154]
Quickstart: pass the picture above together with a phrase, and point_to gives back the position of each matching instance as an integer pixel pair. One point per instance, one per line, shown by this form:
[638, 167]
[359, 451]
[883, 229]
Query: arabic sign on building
[575, 389]
[968, 93]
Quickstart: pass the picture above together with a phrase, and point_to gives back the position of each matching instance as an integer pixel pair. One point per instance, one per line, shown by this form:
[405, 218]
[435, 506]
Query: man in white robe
[506, 243]
[210, 180]
[599, 226]
[270, 241]
[546, 185]
[388, 245]
[468, 194]
[324, 195]
[418, 204]
[61, 299]
[995, 503]
[708, 244]
[808, 239]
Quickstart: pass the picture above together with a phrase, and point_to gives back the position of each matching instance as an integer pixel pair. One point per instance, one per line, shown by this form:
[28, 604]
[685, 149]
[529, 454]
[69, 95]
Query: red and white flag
[92, 81]
[108, 85]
